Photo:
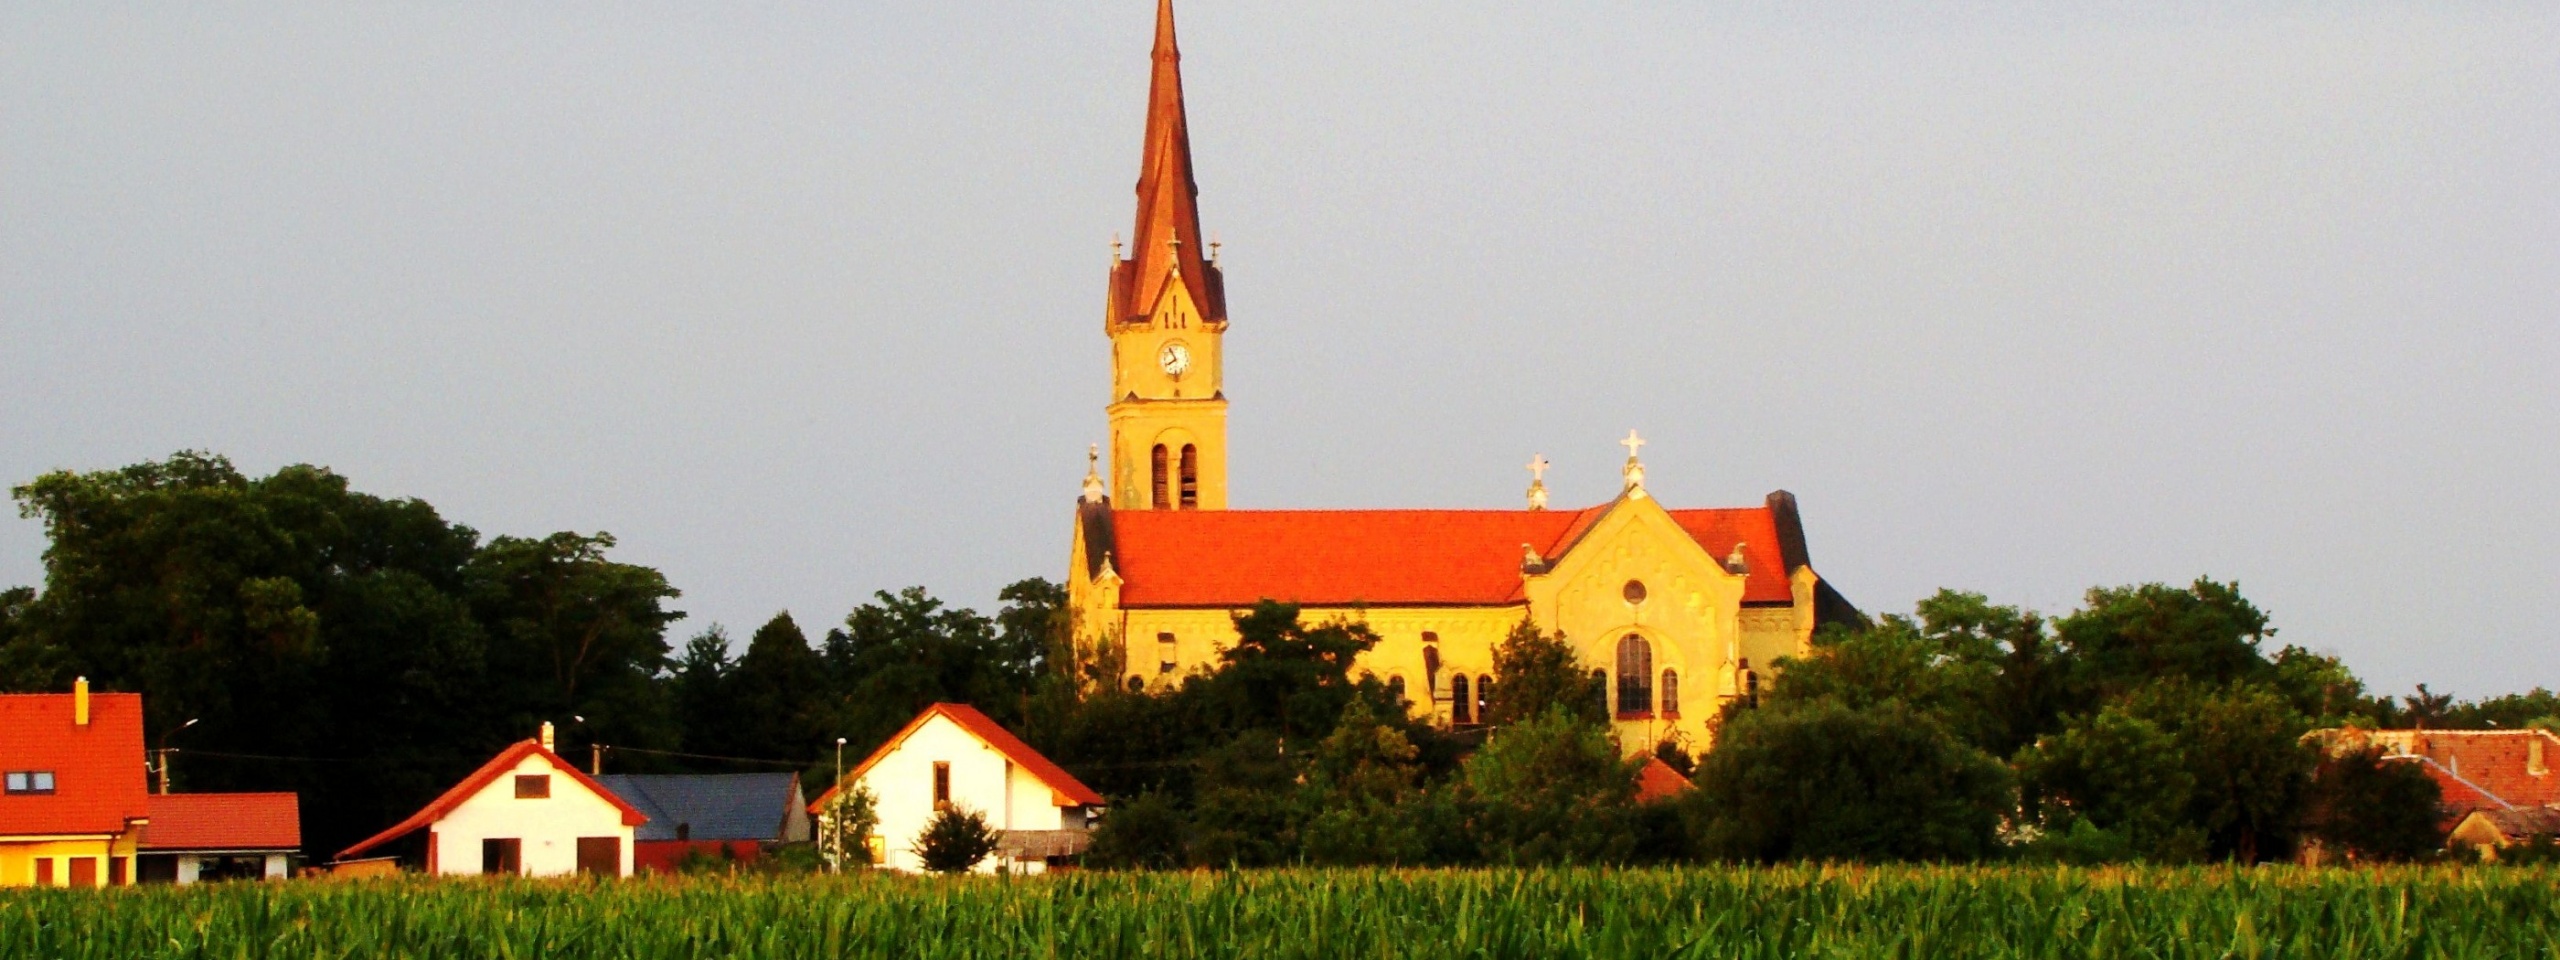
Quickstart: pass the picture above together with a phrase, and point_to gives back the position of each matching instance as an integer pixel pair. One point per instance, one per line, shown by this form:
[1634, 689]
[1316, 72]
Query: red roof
[470, 786]
[1657, 781]
[1232, 558]
[1064, 789]
[2493, 762]
[224, 821]
[97, 769]
[1168, 201]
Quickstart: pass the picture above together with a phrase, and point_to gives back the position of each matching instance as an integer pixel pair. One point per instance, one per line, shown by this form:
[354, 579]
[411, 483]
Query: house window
[1165, 649]
[502, 855]
[30, 781]
[1156, 461]
[533, 786]
[1484, 698]
[1671, 693]
[942, 785]
[1461, 706]
[1635, 677]
[1190, 477]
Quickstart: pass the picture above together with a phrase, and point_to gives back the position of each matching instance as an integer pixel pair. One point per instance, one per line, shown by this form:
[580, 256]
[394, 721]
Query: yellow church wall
[18, 857]
[1151, 406]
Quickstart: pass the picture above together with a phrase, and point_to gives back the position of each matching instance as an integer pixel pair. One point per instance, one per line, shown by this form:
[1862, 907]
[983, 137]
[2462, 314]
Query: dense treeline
[366, 652]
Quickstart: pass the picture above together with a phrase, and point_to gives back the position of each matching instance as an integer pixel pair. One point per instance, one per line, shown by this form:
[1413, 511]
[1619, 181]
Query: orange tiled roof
[224, 821]
[1229, 558]
[497, 766]
[1064, 789]
[2495, 762]
[97, 769]
[1657, 781]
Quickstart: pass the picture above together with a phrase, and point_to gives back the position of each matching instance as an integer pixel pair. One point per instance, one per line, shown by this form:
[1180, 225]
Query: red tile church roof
[97, 769]
[1230, 558]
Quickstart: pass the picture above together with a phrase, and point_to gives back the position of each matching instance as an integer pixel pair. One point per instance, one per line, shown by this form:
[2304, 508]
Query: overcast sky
[804, 301]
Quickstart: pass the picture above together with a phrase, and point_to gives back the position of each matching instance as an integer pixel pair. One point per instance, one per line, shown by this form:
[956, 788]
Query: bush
[1820, 781]
[955, 841]
[2373, 810]
[1144, 833]
[1553, 790]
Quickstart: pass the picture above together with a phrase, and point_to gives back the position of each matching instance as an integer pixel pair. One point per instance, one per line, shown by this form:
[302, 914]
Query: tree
[1282, 675]
[956, 840]
[26, 661]
[1535, 671]
[2374, 810]
[847, 822]
[775, 697]
[2183, 770]
[574, 633]
[2124, 637]
[1143, 832]
[1361, 788]
[1553, 790]
[906, 651]
[2117, 773]
[1819, 780]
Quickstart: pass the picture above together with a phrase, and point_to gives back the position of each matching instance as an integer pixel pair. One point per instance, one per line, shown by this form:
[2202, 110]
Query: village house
[733, 816]
[951, 755]
[73, 802]
[220, 836]
[525, 812]
[2490, 830]
[2476, 769]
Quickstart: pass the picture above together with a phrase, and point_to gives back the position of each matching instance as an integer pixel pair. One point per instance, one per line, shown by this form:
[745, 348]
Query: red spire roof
[1168, 201]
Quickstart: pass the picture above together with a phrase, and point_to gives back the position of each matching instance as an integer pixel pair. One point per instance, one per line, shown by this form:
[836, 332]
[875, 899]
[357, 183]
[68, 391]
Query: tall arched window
[1461, 702]
[1156, 460]
[1600, 687]
[1431, 663]
[1484, 697]
[1395, 685]
[1190, 477]
[1671, 693]
[1635, 675]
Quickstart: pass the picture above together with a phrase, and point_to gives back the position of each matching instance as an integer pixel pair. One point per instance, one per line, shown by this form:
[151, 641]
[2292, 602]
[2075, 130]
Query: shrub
[957, 840]
[1820, 781]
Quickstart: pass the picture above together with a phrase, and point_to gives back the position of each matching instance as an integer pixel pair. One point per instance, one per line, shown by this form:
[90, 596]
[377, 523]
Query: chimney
[546, 734]
[2533, 762]
[80, 702]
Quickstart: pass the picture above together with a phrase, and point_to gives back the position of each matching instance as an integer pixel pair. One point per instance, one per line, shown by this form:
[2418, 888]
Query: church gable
[1638, 556]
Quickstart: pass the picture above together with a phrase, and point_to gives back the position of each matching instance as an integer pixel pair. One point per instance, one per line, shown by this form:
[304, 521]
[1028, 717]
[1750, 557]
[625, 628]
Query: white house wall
[549, 827]
[982, 779]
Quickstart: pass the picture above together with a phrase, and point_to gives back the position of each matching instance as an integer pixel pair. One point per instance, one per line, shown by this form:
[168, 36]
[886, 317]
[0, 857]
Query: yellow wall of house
[18, 856]
[1691, 617]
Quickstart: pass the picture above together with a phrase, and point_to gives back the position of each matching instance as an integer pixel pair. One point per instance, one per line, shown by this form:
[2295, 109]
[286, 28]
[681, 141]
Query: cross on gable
[1632, 443]
[1538, 467]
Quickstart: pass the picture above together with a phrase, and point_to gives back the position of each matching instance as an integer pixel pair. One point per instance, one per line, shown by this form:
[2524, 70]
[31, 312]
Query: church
[1678, 610]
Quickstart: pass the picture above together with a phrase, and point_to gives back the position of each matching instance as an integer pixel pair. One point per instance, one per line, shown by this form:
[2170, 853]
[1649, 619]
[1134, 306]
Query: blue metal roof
[719, 806]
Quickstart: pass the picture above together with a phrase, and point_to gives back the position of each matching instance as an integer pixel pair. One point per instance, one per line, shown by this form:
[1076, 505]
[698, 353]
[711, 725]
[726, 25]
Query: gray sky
[804, 301]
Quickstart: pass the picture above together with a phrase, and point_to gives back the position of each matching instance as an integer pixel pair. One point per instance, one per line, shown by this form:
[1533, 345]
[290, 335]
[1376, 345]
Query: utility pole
[165, 750]
[595, 759]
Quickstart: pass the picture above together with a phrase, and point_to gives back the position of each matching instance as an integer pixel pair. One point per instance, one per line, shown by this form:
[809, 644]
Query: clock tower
[1167, 317]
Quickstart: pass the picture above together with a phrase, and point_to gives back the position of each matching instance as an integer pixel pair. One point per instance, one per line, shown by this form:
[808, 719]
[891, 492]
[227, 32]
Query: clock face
[1174, 358]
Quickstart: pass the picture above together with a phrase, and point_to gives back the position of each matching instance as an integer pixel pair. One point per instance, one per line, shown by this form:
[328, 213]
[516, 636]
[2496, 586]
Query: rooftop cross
[1632, 443]
[1538, 467]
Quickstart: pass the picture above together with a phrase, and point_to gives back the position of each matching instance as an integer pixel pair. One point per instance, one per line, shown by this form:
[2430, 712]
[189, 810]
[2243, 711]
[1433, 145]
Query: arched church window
[1461, 705]
[1395, 685]
[1190, 477]
[1165, 649]
[1600, 687]
[1635, 675]
[1670, 693]
[1431, 663]
[1484, 697]
[1155, 461]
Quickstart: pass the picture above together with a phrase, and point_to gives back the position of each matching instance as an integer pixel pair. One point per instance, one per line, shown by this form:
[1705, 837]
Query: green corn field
[1705, 912]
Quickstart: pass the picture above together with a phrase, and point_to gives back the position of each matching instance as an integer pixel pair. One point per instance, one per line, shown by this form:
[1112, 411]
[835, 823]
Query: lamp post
[165, 751]
[835, 828]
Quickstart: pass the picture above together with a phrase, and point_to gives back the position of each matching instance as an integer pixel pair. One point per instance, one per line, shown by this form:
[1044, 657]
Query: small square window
[536, 786]
[30, 781]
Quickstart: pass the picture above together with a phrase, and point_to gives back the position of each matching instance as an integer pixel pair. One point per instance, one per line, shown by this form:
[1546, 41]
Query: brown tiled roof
[1168, 201]
[2523, 822]
[1657, 781]
[97, 769]
[224, 821]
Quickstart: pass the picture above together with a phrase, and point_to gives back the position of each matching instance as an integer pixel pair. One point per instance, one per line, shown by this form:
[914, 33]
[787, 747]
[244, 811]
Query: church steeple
[1167, 319]
[1167, 237]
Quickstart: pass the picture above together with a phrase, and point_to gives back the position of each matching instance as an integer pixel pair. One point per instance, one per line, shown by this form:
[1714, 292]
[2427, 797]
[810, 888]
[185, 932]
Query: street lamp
[835, 828]
[164, 753]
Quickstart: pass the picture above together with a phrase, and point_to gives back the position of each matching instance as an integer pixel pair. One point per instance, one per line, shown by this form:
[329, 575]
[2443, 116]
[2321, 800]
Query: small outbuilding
[220, 836]
[734, 816]
[2488, 831]
[525, 812]
[951, 755]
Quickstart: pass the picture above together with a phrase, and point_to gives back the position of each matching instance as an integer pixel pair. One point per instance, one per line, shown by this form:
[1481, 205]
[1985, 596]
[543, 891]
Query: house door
[84, 871]
[44, 871]
[115, 872]
[501, 856]
[601, 856]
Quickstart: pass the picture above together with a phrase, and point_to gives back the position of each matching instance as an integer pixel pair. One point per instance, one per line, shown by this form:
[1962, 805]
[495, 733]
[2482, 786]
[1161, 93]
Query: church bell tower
[1167, 318]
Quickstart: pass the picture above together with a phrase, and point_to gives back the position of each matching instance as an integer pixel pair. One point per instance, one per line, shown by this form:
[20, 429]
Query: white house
[952, 755]
[524, 812]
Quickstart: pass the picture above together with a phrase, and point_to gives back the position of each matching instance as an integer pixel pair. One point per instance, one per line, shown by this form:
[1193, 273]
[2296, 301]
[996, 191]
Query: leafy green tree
[956, 840]
[1362, 788]
[2514, 711]
[1553, 790]
[575, 633]
[1820, 780]
[1282, 675]
[2121, 774]
[701, 691]
[2374, 810]
[776, 697]
[907, 651]
[2182, 770]
[1142, 832]
[2125, 637]
[847, 822]
[1535, 671]
[1249, 811]
[27, 662]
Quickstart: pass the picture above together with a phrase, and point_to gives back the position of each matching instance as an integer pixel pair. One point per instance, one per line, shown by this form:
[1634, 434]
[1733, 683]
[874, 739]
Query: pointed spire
[1167, 237]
